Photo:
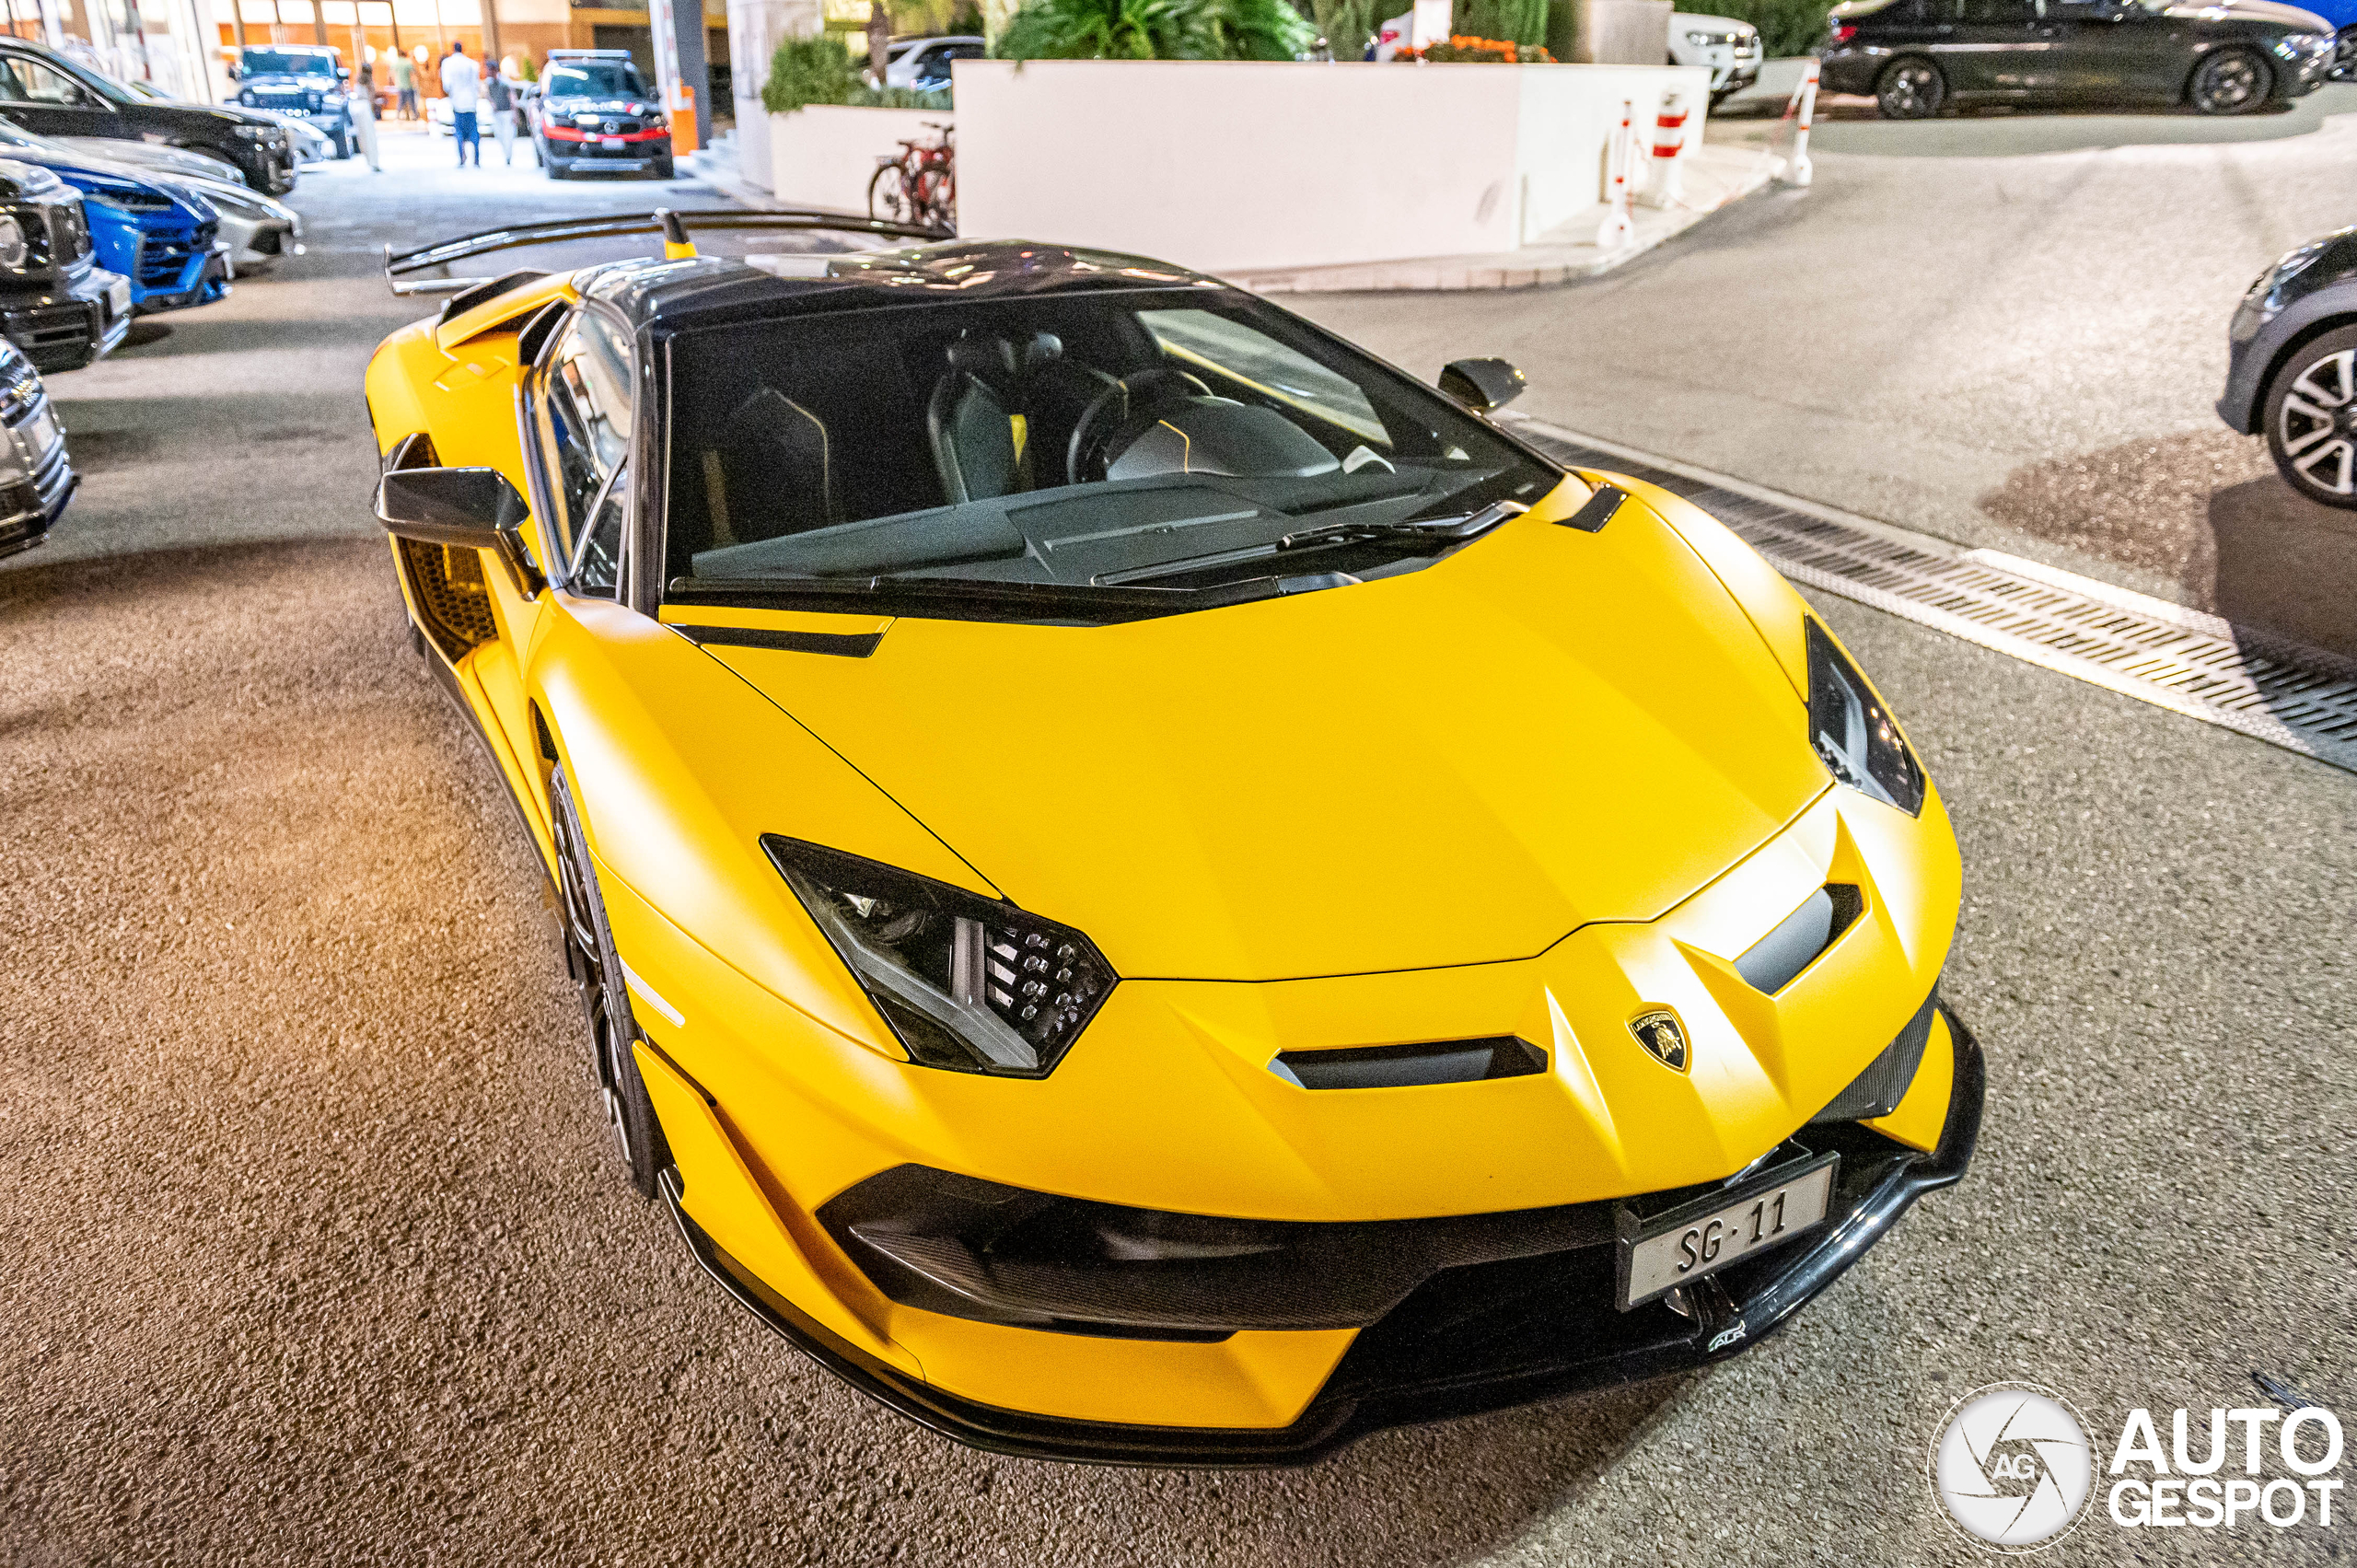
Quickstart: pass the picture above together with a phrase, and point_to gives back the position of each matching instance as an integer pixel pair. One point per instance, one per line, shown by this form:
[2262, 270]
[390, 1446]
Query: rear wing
[674, 226]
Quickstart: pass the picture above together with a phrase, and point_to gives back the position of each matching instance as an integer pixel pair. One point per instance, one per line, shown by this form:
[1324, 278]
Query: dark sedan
[2292, 374]
[51, 95]
[1915, 57]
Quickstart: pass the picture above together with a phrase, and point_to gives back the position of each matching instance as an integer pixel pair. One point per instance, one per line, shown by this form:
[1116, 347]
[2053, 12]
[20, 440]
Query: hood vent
[1411, 1066]
[1777, 958]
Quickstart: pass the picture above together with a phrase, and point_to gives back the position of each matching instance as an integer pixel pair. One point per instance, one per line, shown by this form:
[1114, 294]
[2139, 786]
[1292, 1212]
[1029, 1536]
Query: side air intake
[1411, 1066]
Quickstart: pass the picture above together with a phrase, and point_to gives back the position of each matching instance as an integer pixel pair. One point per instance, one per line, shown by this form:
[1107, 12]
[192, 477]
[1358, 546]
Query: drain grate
[2268, 688]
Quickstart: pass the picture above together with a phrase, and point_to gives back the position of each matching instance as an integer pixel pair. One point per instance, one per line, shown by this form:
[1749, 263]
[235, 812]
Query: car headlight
[15, 250]
[966, 983]
[1853, 732]
[584, 122]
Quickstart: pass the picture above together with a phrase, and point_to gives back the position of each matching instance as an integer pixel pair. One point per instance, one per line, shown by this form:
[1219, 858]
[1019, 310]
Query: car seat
[771, 473]
[973, 422]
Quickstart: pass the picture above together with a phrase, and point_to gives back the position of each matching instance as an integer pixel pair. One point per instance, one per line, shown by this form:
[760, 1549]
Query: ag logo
[1663, 1040]
[2011, 1465]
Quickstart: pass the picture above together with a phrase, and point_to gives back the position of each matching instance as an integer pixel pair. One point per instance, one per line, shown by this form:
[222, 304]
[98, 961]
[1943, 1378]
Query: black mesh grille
[452, 602]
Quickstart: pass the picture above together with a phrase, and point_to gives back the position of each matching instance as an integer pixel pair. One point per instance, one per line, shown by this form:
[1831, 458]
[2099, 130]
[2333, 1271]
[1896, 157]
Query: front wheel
[2311, 414]
[666, 170]
[604, 995]
[1910, 89]
[2230, 82]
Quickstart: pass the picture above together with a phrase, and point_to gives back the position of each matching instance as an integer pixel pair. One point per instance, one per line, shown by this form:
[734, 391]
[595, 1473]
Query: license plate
[39, 432]
[118, 298]
[611, 143]
[1660, 1252]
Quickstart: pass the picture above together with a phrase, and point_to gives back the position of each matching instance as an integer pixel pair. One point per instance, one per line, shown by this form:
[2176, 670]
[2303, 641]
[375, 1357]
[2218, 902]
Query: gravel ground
[313, 1247]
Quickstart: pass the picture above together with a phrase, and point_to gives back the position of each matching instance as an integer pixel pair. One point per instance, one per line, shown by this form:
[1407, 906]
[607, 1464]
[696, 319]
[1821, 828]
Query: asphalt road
[313, 1249]
[2006, 330]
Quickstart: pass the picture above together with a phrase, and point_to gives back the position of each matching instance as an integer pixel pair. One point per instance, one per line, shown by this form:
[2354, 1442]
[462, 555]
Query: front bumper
[33, 500]
[1471, 1339]
[68, 326]
[206, 280]
[589, 157]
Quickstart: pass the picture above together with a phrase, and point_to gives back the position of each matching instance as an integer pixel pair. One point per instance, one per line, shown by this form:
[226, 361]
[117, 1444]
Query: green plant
[1786, 27]
[1349, 24]
[1154, 29]
[816, 69]
[1517, 21]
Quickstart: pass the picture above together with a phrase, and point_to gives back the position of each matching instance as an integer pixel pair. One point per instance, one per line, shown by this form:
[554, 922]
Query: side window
[38, 84]
[597, 570]
[1211, 342]
[587, 434]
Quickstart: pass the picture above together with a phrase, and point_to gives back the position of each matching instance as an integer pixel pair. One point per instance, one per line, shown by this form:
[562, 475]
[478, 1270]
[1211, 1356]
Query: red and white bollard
[1797, 171]
[1619, 230]
[1666, 186]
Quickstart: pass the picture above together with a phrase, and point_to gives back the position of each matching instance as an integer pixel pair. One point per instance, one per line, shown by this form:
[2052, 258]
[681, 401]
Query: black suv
[596, 117]
[305, 80]
[1914, 56]
[56, 304]
[45, 92]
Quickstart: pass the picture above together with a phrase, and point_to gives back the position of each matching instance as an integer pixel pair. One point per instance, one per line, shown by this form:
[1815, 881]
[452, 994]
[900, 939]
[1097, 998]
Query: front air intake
[1777, 958]
[1878, 1089]
[1411, 1066]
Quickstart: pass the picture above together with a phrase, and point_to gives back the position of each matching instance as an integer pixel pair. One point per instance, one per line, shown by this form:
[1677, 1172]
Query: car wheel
[2230, 82]
[604, 995]
[2344, 54]
[1910, 89]
[2311, 419]
[667, 171]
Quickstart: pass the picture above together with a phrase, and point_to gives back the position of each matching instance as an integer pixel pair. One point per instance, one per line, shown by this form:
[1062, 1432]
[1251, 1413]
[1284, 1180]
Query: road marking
[2239, 678]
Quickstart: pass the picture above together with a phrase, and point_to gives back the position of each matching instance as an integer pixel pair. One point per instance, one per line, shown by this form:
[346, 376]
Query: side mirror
[1484, 386]
[464, 509]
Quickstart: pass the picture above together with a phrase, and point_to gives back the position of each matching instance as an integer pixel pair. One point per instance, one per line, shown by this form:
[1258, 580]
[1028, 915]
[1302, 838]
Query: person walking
[503, 114]
[360, 108]
[462, 79]
[404, 88]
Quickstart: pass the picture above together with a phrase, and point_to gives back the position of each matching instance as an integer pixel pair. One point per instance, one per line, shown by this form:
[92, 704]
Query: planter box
[1234, 166]
[825, 155]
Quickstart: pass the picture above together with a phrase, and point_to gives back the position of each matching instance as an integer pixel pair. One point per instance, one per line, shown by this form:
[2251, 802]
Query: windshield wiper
[1447, 530]
[959, 598]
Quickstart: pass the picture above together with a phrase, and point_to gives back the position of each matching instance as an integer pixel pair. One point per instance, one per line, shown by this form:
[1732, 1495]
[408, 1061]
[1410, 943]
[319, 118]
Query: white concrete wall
[825, 155]
[1570, 114]
[1228, 167]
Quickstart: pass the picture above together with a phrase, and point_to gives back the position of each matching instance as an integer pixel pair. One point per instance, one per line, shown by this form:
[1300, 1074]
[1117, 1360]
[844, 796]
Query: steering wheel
[1133, 394]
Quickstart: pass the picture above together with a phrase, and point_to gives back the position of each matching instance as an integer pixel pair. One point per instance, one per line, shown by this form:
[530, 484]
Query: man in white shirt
[462, 79]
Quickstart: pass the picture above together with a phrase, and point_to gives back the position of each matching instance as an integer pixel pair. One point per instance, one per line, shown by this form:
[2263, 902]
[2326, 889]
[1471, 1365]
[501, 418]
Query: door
[42, 98]
[2124, 50]
[1997, 49]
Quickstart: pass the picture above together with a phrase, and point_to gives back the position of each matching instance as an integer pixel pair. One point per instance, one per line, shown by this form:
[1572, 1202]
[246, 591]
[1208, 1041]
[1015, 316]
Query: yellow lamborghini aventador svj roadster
[1146, 887]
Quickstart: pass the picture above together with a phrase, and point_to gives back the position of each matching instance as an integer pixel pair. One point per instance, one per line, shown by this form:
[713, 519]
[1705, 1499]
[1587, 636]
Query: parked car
[1730, 49]
[2292, 367]
[1915, 57]
[57, 304]
[156, 232]
[923, 66]
[36, 477]
[42, 90]
[935, 879]
[303, 83]
[596, 117]
[257, 230]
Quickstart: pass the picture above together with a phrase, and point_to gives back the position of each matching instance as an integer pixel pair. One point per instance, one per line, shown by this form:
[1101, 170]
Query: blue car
[160, 233]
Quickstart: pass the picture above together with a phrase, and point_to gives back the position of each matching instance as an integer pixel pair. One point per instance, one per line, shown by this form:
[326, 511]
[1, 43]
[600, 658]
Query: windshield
[1180, 438]
[287, 62]
[593, 78]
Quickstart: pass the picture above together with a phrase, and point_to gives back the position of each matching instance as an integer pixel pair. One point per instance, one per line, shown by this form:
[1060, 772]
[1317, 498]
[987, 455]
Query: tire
[604, 996]
[2309, 415]
[885, 198]
[2232, 81]
[1910, 89]
[666, 169]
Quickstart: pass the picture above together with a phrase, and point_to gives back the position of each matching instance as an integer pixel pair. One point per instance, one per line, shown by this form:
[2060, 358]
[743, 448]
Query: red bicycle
[920, 186]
